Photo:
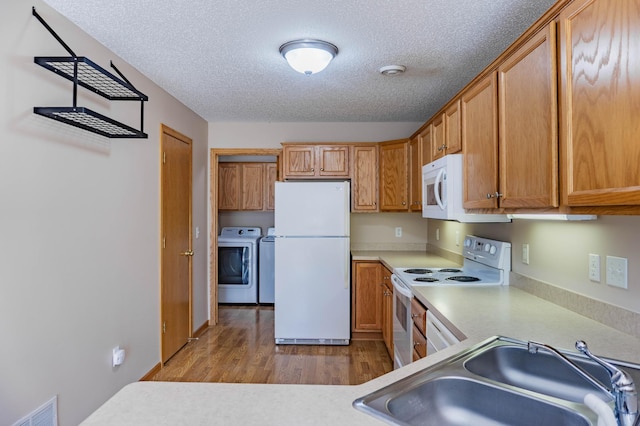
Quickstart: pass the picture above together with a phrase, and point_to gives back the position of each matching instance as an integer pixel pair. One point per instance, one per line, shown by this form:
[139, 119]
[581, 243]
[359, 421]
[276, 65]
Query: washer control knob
[493, 250]
[487, 247]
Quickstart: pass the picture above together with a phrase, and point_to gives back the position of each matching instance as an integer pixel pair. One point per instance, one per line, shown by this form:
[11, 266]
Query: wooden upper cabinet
[333, 161]
[252, 186]
[425, 137]
[271, 176]
[452, 129]
[364, 178]
[315, 161]
[438, 145]
[394, 172]
[415, 175]
[479, 107]
[229, 189]
[528, 123]
[246, 186]
[600, 102]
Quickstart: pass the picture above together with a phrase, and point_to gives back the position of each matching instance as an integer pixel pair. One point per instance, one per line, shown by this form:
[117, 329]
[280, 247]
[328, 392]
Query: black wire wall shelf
[81, 71]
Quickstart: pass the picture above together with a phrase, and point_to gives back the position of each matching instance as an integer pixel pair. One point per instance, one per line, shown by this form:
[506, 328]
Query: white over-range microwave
[442, 192]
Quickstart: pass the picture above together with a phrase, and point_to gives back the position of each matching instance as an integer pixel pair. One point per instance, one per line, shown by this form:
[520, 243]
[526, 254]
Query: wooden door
[229, 186]
[600, 101]
[367, 298]
[252, 186]
[333, 161]
[176, 255]
[480, 141]
[452, 136]
[271, 176]
[365, 178]
[299, 161]
[528, 120]
[394, 174]
[415, 175]
[438, 145]
[425, 137]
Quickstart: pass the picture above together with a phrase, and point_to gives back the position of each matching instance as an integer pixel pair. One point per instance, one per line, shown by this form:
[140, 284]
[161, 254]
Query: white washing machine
[238, 264]
[266, 288]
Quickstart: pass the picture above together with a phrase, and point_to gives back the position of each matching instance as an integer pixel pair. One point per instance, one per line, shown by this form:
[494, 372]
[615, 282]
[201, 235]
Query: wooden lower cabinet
[387, 310]
[419, 316]
[366, 300]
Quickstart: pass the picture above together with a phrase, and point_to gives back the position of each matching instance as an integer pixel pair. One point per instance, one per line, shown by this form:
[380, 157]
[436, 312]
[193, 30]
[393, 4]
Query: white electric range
[486, 263]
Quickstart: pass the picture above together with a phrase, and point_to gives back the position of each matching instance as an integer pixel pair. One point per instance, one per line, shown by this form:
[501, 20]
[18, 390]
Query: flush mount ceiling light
[392, 70]
[308, 56]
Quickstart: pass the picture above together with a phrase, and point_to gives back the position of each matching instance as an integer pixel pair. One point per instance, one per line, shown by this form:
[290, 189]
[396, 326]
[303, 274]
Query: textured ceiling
[221, 59]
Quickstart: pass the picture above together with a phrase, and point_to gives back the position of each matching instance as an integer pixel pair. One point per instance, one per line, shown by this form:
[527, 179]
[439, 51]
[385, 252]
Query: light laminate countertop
[478, 313]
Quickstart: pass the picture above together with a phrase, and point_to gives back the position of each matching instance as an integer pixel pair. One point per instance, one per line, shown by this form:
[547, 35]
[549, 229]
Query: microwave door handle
[439, 178]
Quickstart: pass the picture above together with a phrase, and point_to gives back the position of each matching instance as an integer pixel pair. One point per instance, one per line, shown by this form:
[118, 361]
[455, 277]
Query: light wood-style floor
[241, 349]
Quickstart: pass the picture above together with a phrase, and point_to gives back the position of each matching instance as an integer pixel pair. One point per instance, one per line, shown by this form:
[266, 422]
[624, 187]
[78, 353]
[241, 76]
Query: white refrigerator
[312, 258]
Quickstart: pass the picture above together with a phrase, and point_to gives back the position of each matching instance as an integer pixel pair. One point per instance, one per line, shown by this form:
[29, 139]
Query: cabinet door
[364, 196]
[271, 176]
[394, 158]
[480, 140]
[425, 137]
[299, 161]
[600, 100]
[528, 124]
[438, 145]
[415, 173]
[229, 190]
[252, 186]
[367, 299]
[452, 136]
[333, 161]
[387, 310]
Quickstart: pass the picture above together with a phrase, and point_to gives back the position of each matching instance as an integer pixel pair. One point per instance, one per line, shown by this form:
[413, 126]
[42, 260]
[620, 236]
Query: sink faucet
[622, 389]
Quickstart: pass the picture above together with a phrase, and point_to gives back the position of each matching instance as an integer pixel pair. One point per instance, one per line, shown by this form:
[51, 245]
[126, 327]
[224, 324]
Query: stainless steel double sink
[496, 382]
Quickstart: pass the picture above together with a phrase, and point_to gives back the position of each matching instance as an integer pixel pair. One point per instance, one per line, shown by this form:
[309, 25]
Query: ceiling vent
[392, 69]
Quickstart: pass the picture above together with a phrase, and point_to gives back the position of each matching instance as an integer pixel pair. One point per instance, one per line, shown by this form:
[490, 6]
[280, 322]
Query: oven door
[434, 191]
[402, 324]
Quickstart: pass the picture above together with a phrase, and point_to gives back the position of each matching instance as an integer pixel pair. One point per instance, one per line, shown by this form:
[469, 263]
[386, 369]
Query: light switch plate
[525, 254]
[594, 267]
[617, 271]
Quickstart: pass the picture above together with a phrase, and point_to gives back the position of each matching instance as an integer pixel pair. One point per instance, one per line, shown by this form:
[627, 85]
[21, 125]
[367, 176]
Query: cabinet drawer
[419, 315]
[419, 342]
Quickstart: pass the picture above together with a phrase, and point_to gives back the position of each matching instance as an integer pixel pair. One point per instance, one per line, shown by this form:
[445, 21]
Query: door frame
[214, 155]
[164, 129]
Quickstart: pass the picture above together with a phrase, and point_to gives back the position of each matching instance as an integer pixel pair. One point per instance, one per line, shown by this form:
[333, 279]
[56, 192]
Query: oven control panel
[494, 253]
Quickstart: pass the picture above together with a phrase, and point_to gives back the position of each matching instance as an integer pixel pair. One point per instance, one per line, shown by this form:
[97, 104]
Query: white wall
[559, 251]
[79, 227]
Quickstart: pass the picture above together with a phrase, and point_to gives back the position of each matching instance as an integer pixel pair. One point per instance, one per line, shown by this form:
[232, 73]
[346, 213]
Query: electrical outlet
[398, 232]
[457, 238]
[525, 254]
[594, 267]
[617, 271]
[437, 234]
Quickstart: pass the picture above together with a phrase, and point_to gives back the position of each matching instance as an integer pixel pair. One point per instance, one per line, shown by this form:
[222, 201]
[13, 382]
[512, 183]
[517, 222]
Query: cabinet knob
[313, 169]
[322, 169]
[404, 203]
[416, 344]
[415, 315]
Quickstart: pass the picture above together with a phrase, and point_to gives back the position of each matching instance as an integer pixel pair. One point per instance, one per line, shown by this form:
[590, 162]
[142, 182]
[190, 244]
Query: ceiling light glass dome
[308, 56]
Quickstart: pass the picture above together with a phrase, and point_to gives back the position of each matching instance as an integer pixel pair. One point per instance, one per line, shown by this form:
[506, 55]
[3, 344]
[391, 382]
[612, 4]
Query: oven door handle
[401, 288]
[439, 179]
